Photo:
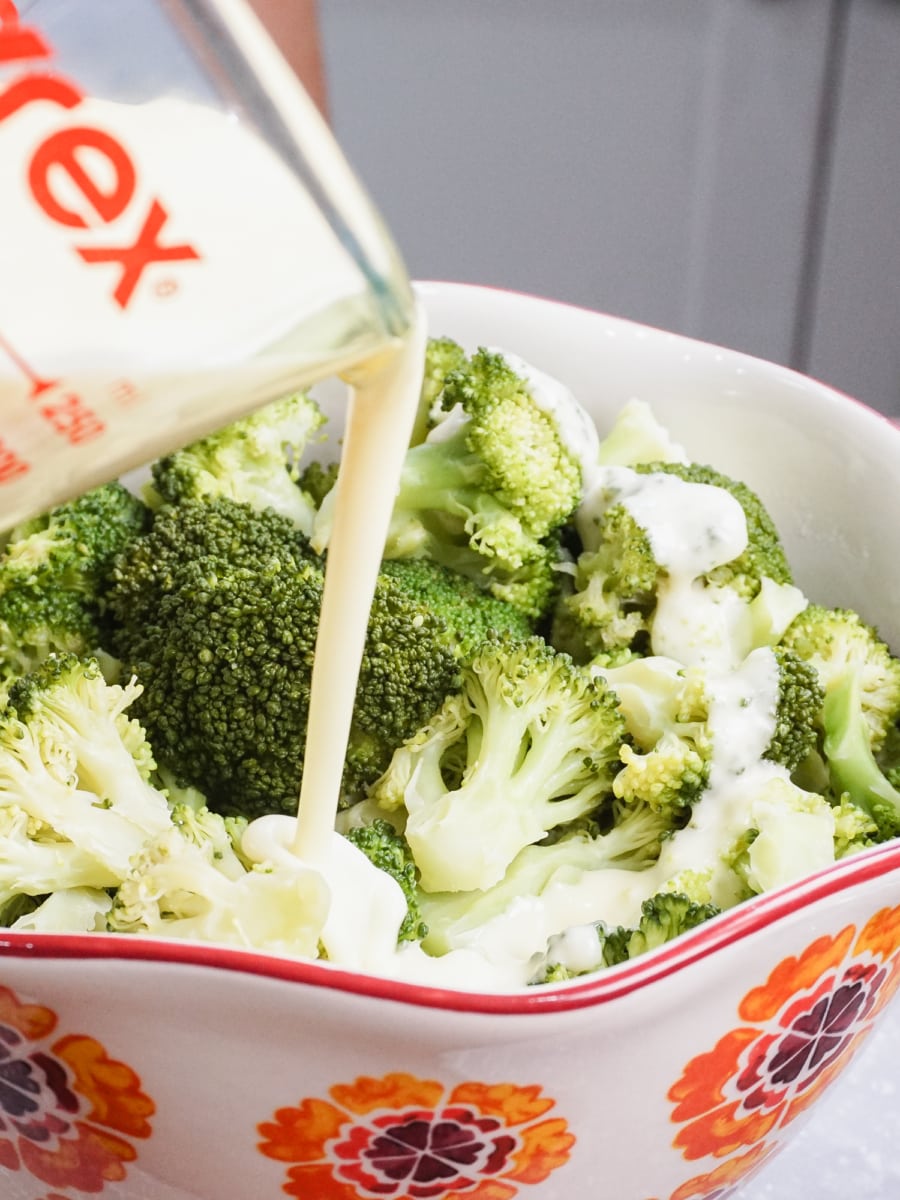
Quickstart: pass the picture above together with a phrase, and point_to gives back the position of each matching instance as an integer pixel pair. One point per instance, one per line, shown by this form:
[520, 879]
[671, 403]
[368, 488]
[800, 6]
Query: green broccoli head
[317, 479]
[606, 608]
[516, 443]
[72, 545]
[663, 917]
[389, 850]
[861, 682]
[799, 706]
[472, 615]
[216, 610]
[838, 642]
[493, 480]
[539, 740]
[255, 460]
[666, 762]
[52, 573]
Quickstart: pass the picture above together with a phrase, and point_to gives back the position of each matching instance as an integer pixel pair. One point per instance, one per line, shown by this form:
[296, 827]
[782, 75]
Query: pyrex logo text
[103, 196]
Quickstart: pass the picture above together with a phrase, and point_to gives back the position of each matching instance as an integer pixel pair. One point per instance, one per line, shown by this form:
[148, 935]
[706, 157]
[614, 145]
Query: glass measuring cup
[182, 238]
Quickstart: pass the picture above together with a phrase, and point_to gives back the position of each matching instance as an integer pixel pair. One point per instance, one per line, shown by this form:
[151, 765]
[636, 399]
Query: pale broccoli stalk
[71, 910]
[76, 766]
[255, 460]
[37, 859]
[509, 919]
[636, 437]
[86, 737]
[528, 744]
[861, 682]
[190, 882]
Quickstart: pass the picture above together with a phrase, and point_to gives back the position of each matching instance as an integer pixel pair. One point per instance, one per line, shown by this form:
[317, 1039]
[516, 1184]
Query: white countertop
[850, 1146]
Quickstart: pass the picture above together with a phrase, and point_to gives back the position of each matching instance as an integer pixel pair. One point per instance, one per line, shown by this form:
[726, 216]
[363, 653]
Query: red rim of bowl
[732, 926]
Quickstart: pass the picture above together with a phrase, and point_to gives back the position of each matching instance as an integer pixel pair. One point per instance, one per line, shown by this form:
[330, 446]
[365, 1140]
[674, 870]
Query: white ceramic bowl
[165, 1071]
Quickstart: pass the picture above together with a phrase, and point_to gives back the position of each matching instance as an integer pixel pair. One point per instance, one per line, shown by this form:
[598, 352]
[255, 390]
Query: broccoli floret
[645, 547]
[800, 698]
[540, 742]
[490, 483]
[190, 882]
[255, 459]
[607, 607]
[390, 852]
[666, 708]
[663, 917]
[88, 738]
[317, 479]
[442, 356]
[52, 572]
[861, 682]
[76, 797]
[73, 544]
[496, 468]
[472, 614]
[216, 611]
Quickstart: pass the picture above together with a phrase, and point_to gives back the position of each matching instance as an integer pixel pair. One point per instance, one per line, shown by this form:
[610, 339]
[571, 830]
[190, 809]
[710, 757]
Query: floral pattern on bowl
[69, 1114]
[801, 1027]
[405, 1138]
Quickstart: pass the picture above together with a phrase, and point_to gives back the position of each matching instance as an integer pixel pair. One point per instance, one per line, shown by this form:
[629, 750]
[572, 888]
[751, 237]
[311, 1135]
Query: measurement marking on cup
[66, 413]
[38, 385]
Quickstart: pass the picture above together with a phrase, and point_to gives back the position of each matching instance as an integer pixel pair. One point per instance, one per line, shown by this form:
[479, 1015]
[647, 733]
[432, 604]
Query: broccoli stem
[848, 750]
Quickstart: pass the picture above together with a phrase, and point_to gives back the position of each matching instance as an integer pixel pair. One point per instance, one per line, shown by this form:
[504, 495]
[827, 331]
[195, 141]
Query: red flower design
[800, 1029]
[402, 1138]
[68, 1112]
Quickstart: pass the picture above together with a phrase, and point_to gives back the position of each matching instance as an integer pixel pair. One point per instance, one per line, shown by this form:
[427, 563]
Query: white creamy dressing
[367, 908]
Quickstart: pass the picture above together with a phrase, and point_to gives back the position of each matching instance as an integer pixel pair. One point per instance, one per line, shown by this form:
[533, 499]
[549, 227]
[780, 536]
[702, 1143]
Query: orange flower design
[801, 1027]
[403, 1138]
[68, 1112]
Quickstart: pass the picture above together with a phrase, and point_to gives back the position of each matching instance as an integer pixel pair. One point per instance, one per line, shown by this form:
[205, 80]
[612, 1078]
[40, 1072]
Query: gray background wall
[725, 168]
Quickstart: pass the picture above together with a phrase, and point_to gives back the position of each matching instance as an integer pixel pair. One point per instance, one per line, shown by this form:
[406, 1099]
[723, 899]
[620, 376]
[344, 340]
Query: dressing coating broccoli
[389, 850]
[614, 598]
